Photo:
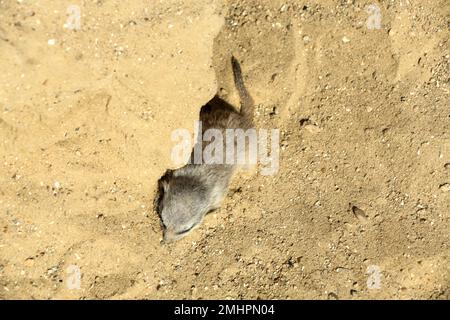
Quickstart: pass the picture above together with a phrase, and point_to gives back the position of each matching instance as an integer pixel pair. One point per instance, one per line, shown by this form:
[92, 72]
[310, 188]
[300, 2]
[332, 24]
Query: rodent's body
[187, 194]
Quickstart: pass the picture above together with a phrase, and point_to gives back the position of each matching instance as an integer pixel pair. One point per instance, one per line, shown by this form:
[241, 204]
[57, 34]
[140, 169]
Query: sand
[359, 209]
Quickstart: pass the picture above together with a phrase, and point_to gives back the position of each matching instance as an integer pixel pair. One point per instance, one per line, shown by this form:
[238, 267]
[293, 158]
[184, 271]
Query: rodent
[187, 194]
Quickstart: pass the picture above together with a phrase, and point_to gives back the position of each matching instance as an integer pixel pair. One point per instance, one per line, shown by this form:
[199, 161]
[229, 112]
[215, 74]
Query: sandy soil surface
[360, 207]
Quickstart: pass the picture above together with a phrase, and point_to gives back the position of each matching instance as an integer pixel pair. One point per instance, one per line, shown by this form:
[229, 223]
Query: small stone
[360, 214]
[445, 187]
[52, 270]
[51, 42]
[311, 128]
[333, 296]
[345, 39]
[284, 8]
[29, 262]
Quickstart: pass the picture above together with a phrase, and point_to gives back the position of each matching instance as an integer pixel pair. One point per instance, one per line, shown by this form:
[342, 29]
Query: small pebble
[360, 214]
[312, 128]
[445, 187]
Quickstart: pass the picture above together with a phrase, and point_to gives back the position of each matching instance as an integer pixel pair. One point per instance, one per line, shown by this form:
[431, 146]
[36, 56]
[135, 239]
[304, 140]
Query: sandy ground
[360, 207]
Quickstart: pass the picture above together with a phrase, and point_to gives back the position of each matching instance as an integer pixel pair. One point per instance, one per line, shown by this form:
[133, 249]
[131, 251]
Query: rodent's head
[182, 205]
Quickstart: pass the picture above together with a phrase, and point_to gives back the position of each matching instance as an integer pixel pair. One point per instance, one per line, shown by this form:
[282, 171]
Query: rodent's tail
[247, 104]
